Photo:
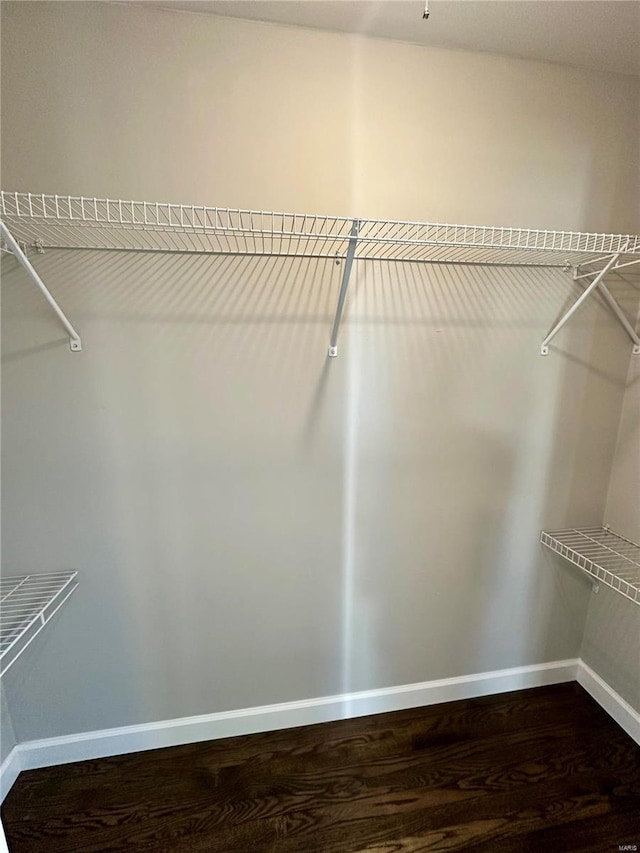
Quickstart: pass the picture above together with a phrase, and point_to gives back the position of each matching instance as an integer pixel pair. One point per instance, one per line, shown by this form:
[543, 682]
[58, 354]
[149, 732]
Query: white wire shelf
[27, 603]
[51, 221]
[607, 557]
[75, 222]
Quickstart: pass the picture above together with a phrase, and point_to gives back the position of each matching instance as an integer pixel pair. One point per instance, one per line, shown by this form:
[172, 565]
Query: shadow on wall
[255, 523]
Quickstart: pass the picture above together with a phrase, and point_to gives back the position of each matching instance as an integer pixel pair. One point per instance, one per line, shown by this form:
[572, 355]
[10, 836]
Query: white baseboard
[127, 739]
[617, 707]
[9, 770]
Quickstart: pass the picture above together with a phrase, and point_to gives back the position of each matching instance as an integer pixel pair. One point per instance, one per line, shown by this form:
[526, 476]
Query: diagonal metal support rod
[577, 275]
[617, 310]
[74, 338]
[544, 348]
[611, 302]
[348, 263]
[627, 264]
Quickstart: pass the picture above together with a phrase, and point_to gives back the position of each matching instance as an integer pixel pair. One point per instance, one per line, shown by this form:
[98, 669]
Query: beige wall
[611, 644]
[623, 499]
[131, 102]
[253, 522]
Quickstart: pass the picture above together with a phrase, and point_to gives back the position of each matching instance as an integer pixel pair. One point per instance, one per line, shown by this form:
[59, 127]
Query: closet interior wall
[253, 522]
[7, 734]
[611, 644]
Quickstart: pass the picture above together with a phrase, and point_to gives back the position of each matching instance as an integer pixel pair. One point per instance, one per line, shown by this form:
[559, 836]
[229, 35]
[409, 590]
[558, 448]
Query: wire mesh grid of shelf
[606, 556]
[75, 222]
[51, 221]
[27, 603]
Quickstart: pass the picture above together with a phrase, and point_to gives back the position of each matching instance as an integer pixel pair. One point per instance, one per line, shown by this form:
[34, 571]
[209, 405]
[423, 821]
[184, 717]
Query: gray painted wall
[253, 522]
[7, 734]
[611, 643]
[623, 499]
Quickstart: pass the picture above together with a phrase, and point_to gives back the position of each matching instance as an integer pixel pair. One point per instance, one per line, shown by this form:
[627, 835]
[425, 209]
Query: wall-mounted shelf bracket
[595, 283]
[344, 286]
[626, 325]
[611, 302]
[74, 338]
[578, 275]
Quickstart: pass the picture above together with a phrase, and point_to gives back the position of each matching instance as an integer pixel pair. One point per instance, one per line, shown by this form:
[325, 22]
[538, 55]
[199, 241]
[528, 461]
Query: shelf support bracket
[578, 274]
[74, 338]
[344, 286]
[544, 348]
[617, 310]
[612, 303]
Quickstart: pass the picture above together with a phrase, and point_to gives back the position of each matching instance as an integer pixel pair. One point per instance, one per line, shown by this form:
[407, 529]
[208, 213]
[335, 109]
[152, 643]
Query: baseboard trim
[9, 771]
[127, 739]
[617, 707]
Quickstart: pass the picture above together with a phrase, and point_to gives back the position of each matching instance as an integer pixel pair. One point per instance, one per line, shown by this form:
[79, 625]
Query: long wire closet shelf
[74, 222]
[27, 603]
[608, 557]
[38, 221]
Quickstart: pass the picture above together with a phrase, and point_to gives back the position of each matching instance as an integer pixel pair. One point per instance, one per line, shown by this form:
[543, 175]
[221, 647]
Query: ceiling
[597, 34]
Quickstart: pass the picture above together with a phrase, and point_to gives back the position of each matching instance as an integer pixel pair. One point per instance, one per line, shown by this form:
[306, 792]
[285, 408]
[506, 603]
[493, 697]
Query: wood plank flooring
[541, 770]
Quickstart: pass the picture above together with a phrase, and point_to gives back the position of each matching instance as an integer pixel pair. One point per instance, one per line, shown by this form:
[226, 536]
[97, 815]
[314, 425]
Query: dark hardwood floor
[541, 770]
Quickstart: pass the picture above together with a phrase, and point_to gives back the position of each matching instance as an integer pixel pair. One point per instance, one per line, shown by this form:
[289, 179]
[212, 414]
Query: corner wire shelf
[27, 603]
[76, 222]
[607, 557]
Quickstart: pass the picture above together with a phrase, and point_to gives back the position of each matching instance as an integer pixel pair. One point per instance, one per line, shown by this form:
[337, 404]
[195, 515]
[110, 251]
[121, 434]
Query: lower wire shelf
[27, 603]
[608, 557]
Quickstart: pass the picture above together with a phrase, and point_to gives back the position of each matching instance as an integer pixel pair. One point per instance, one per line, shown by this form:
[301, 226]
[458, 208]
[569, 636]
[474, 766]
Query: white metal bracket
[611, 302]
[595, 283]
[578, 273]
[626, 325]
[344, 286]
[74, 338]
